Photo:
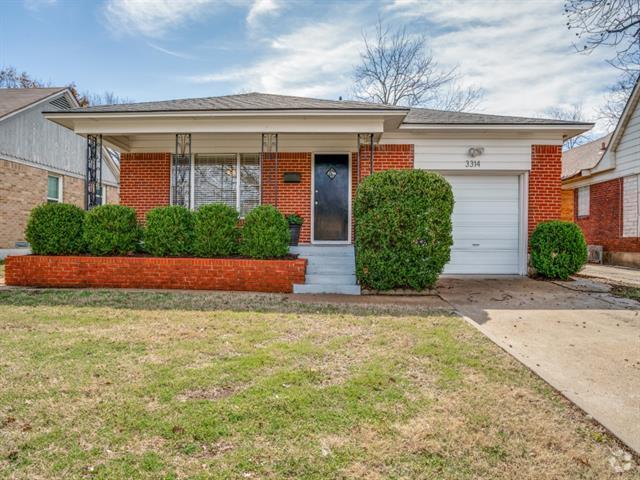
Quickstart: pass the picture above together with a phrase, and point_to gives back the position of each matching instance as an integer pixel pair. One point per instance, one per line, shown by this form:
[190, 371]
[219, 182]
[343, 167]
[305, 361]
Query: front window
[232, 179]
[54, 189]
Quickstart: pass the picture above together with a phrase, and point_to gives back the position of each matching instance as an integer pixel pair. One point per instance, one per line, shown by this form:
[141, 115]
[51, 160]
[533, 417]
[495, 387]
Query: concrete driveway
[580, 339]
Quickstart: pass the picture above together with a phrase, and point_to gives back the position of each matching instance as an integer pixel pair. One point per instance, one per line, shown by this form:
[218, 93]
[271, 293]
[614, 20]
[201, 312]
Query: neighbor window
[101, 195]
[232, 179]
[583, 201]
[54, 189]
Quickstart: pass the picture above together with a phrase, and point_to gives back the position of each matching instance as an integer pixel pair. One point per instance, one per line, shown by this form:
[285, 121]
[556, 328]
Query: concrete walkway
[629, 277]
[581, 340]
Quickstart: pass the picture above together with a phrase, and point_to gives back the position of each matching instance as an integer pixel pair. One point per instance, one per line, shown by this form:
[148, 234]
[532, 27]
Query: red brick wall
[603, 225]
[292, 197]
[145, 181]
[146, 272]
[545, 186]
[296, 197]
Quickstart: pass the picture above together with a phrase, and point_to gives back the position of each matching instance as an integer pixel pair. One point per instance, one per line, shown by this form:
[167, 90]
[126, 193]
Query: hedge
[56, 229]
[558, 249]
[265, 233]
[169, 231]
[216, 231]
[403, 229]
[111, 230]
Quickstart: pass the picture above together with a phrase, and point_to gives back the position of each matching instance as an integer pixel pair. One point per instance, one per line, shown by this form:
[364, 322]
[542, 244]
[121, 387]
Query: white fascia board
[457, 126]
[229, 113]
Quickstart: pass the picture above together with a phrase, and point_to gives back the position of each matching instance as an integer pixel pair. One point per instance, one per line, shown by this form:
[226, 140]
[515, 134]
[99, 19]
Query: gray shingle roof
[13, 99]
[584, 157]
[264, 101]
[426, 116]
[244, 101]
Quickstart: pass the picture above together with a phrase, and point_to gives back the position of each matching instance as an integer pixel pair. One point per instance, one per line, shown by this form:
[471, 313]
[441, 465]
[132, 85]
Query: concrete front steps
[330, 269]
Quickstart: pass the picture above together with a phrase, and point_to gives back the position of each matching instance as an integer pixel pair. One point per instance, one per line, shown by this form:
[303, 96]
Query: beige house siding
[22, 188]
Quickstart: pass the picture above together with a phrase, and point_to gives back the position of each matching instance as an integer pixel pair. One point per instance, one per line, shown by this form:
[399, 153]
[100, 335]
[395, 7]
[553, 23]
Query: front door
[331, 198]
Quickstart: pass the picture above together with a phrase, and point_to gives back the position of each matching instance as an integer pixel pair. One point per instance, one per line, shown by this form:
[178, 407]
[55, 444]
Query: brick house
[601, 188]
[307, 156]
[41, 161]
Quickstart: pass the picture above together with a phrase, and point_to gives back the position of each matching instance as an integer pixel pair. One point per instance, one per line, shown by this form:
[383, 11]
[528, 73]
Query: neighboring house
[302, 155]
[41, 161]
[603, 184]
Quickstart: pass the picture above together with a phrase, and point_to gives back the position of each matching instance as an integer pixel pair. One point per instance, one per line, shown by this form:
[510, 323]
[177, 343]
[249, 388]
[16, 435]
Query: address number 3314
[472, 164]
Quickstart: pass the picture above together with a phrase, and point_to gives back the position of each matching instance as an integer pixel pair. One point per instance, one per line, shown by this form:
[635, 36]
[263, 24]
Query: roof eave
[222, 113]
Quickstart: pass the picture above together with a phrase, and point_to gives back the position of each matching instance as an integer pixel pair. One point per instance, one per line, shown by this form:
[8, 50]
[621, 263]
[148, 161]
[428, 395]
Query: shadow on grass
[206, 301]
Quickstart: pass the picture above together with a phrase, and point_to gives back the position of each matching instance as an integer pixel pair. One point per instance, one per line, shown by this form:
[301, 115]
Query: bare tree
[11, 78]
[105, 98]
[611, 24]
[573, 113]
[398, 69]
[616, 99]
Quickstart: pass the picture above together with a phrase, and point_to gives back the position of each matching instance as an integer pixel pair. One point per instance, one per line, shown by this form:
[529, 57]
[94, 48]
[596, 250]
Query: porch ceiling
[236, 142]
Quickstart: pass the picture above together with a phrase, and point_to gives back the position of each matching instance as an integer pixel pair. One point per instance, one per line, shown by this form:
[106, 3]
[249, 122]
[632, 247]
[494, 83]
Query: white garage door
[485, 224]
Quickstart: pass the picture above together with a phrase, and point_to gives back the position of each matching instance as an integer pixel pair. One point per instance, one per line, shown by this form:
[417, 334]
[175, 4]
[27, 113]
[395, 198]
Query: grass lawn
[626, 292]
[107, 384]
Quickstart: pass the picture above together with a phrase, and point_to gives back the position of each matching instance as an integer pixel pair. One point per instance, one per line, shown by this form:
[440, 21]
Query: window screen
[215, 180]
[53, 189]
[583, 201]
[249, 182]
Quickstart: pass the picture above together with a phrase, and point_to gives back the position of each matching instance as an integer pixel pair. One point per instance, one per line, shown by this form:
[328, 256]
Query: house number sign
[472, 164]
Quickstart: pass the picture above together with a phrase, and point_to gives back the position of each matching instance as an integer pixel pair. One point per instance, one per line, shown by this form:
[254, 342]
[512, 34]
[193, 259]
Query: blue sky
[518, 52]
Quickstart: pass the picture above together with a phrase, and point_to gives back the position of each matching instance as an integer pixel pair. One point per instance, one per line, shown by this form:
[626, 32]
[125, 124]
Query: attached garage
[486, 225]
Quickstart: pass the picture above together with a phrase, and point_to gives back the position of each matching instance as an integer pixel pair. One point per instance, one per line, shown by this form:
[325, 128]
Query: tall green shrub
[216, 230]
[265, 233]
[56, 229]
[169, 231]
[558, 249]
[111, 230]
[403, 229]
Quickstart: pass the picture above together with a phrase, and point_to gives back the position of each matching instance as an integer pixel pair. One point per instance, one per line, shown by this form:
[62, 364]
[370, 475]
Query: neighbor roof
[244, 101]
[584, 157]
[427, 116]
[14, 99]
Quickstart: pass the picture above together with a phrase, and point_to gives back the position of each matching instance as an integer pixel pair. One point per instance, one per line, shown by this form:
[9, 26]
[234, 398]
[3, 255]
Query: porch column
[93, 180]
[364, 137]
[181, 171]
[269, 145]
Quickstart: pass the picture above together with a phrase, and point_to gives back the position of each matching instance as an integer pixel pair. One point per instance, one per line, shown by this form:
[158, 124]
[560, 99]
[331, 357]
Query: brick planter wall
[277, 276]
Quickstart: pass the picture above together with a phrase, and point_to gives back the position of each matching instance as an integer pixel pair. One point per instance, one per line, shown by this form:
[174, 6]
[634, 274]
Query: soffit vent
[61, 103]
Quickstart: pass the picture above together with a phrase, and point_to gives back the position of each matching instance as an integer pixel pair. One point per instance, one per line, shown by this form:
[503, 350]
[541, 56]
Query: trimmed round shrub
[403, 229]
[111, 230]
[169, 231]
[216, 230]
[56, 229]
[558, 249]
[265, 233]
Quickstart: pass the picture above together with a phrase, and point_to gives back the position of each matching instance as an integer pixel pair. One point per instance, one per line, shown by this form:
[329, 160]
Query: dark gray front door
[331, 197]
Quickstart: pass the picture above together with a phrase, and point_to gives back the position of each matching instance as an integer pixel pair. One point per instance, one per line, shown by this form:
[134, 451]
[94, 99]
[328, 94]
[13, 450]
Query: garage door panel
[485, 218]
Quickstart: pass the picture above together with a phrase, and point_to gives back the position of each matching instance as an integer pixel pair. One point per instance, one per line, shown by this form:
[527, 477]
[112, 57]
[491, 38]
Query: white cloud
[316, 60]
[261, 8]
[153, 18]
[172, 53]
[519, 53]
[36, 5]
